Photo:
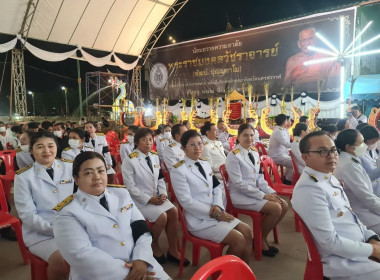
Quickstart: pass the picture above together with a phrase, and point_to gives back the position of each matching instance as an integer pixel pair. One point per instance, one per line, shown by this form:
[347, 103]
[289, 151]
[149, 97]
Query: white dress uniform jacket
[142, 184]
[36, 194]
[213, 152]
[101, 147]
[358, 187]
[246, 183]
[370, 162]
[70, 153]
[196, 194]
[339, 235]
[23, 158]
[126, 149]
[173, 154]
[279, 143]
[362, 118]
[161, 143]
[295, 148]
[223, 137]
[96, 243]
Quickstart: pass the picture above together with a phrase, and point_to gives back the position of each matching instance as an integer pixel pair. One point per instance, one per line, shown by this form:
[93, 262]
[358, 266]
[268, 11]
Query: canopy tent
[365, 87]
[115, 26]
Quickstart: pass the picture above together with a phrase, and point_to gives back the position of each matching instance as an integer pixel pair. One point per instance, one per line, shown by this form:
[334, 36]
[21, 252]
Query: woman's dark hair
[206, 127]
[346, 137]
[185, 122]
[187, 135]
[176, 129]
[330, 128]
[297, 130]
[16, 129]
[340, 125]
[33, 125]
[93, 123]
[141, 133]
[46, 124]
[361, 126]
[280, 119]
[82, 157]
[243, 127]
[369, 132]
[303, 119]
[133, 128]
[160, 129]
[41, 134]
[81, 133]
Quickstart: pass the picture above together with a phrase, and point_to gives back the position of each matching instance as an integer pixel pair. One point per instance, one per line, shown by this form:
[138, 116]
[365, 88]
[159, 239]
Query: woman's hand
[273, 197]
[214, 211]
[156, 200]
[225, 217]
[163, 197]
[139, 270]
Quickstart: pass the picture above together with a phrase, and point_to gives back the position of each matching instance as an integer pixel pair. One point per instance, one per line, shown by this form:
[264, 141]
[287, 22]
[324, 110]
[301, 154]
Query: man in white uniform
[173, 152]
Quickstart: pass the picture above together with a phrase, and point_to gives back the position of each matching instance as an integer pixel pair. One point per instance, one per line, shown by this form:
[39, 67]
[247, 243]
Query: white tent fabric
[8, 45]
[115, 26]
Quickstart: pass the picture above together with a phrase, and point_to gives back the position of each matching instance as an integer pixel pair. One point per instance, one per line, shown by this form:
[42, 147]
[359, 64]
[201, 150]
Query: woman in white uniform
[77, 143]
[200, 194]
[37, 189]
[23, 156]
[99, 143]
[299, 132]
[100, 231]
[128, 147]
[370, 159]
[357, 184]
[248, 188]
[143, 178]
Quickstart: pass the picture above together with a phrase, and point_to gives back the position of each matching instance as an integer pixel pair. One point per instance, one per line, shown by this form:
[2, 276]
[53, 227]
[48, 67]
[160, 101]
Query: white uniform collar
[243, 150]
[320, 176]
[43, 167]
[94, 197]
[141, 153]
[189, 161]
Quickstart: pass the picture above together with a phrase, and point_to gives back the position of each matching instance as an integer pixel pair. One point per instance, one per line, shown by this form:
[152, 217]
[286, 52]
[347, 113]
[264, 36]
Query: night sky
[198, 18]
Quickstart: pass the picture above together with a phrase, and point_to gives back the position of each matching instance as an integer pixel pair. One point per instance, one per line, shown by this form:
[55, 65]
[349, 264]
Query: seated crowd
[75, 218]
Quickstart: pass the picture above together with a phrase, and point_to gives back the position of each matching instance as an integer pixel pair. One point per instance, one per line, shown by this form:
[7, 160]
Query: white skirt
[256, 206]
[44, 249]
[218, 232]
[151, 212]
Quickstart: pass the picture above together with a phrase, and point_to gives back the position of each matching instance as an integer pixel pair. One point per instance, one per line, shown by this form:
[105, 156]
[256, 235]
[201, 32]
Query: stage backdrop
[274, 53]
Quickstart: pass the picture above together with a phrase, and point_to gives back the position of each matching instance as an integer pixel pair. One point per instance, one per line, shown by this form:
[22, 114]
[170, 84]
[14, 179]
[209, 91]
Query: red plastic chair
[7, 220]
[277, 185]
[215, 249]
[232, 142]
[167, 179]
[8, 157]
[118, 180]
[296, 173]
[260, 149]
[38, 267]
[314, 269]
[255, 216]
[229, 267]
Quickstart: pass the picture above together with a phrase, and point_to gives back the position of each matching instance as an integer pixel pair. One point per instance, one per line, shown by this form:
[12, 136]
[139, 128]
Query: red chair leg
[196, 254]
[17, 227]
[214, 253]
[183, 250]
[257, 237]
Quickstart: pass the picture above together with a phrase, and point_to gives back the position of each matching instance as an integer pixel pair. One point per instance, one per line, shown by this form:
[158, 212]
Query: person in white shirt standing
[279, 144]
[358, 114]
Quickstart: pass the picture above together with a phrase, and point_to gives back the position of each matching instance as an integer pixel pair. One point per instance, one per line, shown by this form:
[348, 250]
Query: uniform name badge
[66, 181]
[126, 208]
[156, 166]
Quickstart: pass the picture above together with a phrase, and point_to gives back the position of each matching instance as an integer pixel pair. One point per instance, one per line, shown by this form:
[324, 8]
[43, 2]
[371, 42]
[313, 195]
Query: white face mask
[74, 143]
[24, 148]
[2, 129]
[167, 134]
[131, 139]
[361, 149]
[58, 133]
[372, 147]
[333, 136]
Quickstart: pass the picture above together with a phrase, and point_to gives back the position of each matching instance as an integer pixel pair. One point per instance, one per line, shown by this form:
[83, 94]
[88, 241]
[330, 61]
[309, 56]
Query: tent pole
[80, 90]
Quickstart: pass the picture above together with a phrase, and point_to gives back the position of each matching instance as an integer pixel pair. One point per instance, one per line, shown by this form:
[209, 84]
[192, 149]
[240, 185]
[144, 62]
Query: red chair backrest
[314, 259]
[268, 164]
[232, 142]
[296, 173]
[8, 157]
[118, 179]
[261, 149]
[224, 173]
[3, 201]
[183, 222]
[229, 266]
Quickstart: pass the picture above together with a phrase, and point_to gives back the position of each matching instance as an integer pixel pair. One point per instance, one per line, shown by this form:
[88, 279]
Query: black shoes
[173, 259]
[8, 233]
[274, 249]
[161, 259]
[271, 252]
[286, 182]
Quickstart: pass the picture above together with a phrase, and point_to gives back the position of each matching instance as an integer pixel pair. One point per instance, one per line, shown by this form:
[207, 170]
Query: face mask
[361, 149]
[74, 143]
[167, 134]
[333, 137]
[24, 148]
[57, 133]
[130, 138]
[372, 147]
[2, 129]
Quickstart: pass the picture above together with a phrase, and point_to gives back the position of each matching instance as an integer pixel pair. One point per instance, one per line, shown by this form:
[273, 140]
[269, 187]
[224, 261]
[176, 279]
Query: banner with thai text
[274, 53]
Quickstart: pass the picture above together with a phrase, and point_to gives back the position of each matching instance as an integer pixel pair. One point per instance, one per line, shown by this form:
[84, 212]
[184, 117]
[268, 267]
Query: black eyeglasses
[325, 153]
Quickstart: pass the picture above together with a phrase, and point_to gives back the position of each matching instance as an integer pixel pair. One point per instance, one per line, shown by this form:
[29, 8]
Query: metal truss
[19, 87]
[171, 13]
[135, 94]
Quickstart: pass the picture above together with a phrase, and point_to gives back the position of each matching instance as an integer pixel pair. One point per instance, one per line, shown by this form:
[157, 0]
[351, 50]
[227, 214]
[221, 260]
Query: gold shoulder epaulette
[63, 203]
[313, 177]
[134, 154]
[355, 160]
[162, 139]
[253, 148]
[100, 134]
[297, 140]
[115, 186]
[172, 145]
[206, 143]
[18, 150]
[236, 151]
[178, 164]
[66, 149]
[18, 172]
[66, 160]
[202, 158]
[89, 147]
